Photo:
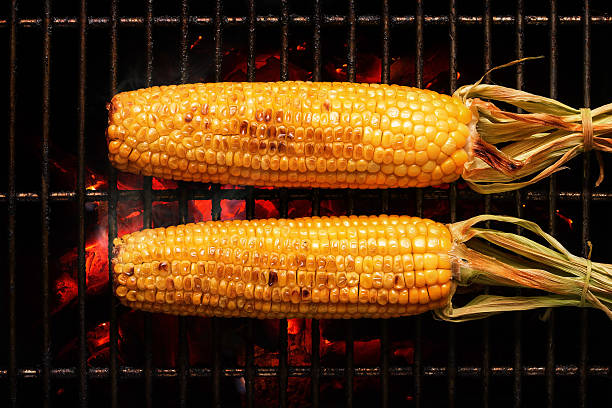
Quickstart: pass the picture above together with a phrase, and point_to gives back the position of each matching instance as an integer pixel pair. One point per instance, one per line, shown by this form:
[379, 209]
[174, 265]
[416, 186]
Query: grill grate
[183, 373]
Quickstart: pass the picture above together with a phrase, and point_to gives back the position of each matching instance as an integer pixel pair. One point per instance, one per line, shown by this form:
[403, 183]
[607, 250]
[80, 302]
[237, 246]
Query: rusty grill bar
[418, 371]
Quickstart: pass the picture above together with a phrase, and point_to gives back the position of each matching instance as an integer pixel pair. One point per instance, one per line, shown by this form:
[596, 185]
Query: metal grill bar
[112, 222]
[418, 335]
[452, 360]
[44, 192]
[518, 317]
[328, 20]
[242, 194]
[134, 373]
[12, 210]
[183, 358]
[147, 218]
[586, 197]
[486, 328]
[250, 214]
[384, 324]
[216, 208]
[552, 206]
[81, 272]
[283, 375]
[351, 71]
[315, 357]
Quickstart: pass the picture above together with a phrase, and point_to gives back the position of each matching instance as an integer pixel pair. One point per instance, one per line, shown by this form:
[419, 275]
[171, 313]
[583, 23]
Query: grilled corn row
[336, 267]
[291, 134]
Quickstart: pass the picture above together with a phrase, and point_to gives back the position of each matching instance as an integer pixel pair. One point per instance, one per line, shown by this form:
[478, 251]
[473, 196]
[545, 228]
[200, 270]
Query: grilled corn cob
[347, 267]
[337, 267]
[339, 135]
[291, 134]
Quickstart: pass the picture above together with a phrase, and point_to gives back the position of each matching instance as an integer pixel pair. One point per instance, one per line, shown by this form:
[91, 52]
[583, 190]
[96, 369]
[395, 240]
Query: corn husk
[537, 143]
[491, 257]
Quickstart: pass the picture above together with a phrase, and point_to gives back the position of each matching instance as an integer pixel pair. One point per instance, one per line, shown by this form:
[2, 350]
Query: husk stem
[490, 257]
[540, 141]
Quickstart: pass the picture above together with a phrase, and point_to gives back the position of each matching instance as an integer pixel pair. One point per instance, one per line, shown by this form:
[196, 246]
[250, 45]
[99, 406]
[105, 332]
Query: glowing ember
[202, 210]
[196, 42]
[162, 184]
[568, 220]
[97, 344]
[293, 326]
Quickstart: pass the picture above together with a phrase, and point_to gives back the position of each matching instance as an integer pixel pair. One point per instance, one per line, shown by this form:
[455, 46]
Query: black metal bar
[44, 194]
[112, 219]
[183, 358]
[252, 37]
[147, 214]
[552, 206]
[386, 44]
[586, 199]
[452, 360]
[216, 209]
[316, 204]
[352, 76]
[418, 334]
[384, 324]
[249, 378]
[316, 41]
[315, 358]
[81, 281]
[486, 329]
[250, 363]
[216, 346]
[284, 50]
[385, 78]
[241, 194]
[218, 39]
[215, 321]
[135, 373]
[283, 369]
[352, 42]
[518, 328]
[249, 352]
[328, 20]
[283, 376]
[12, 210]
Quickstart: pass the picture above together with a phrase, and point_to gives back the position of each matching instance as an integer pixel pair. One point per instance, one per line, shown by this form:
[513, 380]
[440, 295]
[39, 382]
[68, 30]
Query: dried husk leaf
[491, 257]
[538, 142]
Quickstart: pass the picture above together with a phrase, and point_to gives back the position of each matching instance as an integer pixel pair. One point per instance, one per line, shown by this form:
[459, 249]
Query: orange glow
[568, 220]
[458, 74]
[96, 185]
[196, 42]
[293, 326]
[202, 210]
[301, 47]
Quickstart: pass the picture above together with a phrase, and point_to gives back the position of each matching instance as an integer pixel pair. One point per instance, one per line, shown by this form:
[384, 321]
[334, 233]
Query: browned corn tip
[336, 267]
[290, 134]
